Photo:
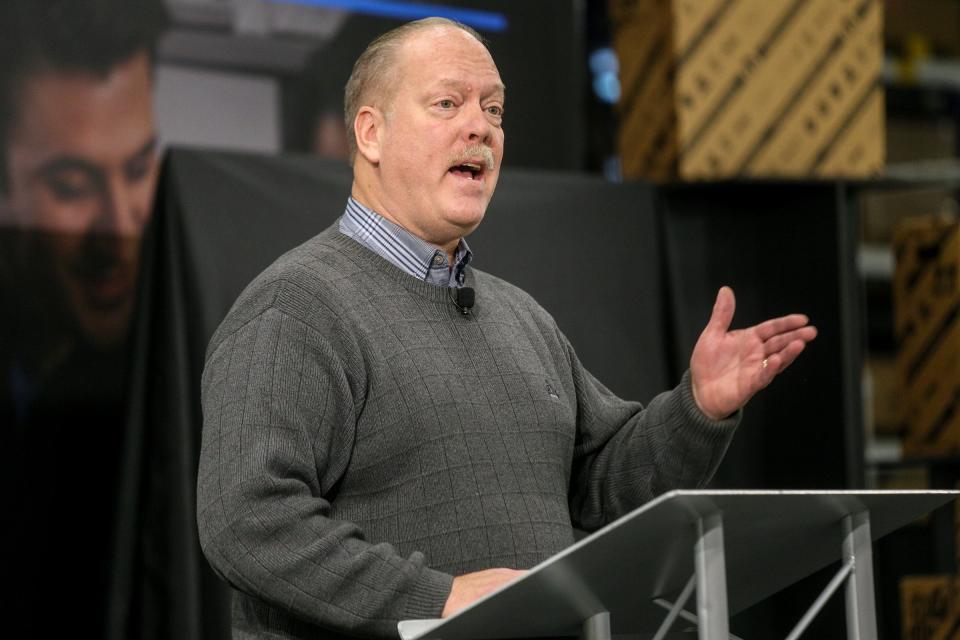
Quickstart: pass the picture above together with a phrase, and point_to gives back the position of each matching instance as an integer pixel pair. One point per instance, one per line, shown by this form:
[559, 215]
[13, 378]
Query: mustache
[475, 151]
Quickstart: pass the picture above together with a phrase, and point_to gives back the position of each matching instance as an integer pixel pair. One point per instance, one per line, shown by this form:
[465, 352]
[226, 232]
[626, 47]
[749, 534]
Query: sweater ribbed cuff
[428, 595]
[703, 427]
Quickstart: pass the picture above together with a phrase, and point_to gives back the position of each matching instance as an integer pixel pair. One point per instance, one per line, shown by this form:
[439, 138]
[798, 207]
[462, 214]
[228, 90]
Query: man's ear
[367, 128]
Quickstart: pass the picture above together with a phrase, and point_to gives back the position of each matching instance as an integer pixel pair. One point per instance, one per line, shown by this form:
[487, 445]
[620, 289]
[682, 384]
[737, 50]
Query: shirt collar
[403, 249]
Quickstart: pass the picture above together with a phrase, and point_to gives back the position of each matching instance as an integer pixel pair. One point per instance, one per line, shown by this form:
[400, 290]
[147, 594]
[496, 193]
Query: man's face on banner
[82, 170]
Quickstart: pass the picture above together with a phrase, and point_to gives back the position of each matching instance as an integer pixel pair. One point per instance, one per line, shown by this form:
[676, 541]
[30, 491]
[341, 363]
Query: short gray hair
[371, 76]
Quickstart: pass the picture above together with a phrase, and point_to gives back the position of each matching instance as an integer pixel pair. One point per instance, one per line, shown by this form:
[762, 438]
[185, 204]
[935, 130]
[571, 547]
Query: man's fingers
[780, 360]
[783, 324]
[470, 587]
[723, 309]
[781, 340]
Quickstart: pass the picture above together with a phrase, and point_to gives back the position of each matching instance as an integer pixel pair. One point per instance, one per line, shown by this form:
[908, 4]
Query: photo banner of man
[78, 168]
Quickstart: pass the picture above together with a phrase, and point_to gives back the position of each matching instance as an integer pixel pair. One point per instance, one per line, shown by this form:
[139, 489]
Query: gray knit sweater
[364, 441]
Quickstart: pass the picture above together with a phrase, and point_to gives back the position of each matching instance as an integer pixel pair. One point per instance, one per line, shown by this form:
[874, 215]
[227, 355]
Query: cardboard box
[728, 88]
[926, 297]
[930, 607]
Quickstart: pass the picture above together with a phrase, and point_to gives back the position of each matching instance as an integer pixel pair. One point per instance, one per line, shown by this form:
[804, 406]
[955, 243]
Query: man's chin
[105, 334]
[466, 217]
[104, 328]
[102, 304]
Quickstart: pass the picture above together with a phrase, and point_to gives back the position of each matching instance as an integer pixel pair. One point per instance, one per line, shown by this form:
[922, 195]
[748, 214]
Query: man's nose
[121, 213]
[478, 127]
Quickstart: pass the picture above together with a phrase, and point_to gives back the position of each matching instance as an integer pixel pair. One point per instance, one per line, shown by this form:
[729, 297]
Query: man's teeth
[469, 170]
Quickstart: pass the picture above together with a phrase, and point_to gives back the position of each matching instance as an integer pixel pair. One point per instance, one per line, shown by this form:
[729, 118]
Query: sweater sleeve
[626, 454]
[280, 408]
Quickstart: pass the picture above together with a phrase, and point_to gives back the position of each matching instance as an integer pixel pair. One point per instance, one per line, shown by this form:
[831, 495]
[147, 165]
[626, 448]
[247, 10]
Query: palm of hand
[728, 367]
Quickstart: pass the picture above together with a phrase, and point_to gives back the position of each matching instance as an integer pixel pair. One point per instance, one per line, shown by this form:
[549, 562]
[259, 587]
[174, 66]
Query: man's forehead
[445, 42]
[493, 87]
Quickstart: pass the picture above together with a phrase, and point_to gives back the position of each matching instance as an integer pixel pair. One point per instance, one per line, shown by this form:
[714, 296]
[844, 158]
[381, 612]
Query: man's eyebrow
[498, 88]
[148, 147]
[62, 163]
[59, 164]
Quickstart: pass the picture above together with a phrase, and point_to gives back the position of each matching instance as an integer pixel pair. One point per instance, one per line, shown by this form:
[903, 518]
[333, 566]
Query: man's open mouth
[468, 170]
[104, 284]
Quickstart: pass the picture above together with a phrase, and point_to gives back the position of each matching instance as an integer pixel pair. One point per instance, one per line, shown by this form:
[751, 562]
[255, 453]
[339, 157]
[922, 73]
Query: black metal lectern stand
[733, 548]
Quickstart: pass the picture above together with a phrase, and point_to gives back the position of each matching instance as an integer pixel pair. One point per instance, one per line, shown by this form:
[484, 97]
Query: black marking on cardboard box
[858, 107]
[928, 255]
[835, 47]
[740, 79]
[935, 338]
[705, 29]
[944, 420]
[637, 84]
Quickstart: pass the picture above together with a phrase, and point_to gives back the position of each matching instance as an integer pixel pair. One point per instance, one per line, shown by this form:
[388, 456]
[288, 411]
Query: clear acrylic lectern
[731, 548]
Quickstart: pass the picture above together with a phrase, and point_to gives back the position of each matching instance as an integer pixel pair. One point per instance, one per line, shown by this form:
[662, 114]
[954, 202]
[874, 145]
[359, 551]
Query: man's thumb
[723, 310]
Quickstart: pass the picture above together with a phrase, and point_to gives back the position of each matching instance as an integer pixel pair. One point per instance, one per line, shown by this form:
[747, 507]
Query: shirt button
[438, 260]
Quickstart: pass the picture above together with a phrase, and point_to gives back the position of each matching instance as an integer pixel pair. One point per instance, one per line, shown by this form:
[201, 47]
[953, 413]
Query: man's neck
[361, 195]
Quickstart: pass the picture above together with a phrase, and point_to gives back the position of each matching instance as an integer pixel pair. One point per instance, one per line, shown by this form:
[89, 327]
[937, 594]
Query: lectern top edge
[708, 493]
[801, 492]
[705, 493]
[695, 504]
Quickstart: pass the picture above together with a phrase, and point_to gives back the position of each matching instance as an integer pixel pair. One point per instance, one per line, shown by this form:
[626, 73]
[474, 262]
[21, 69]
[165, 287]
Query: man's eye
[70, 187]
[495, 110]
[139, 168]
[445, 104]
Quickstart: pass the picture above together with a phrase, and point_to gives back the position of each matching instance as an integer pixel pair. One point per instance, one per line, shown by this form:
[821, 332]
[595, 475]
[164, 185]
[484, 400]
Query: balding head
[373, 80]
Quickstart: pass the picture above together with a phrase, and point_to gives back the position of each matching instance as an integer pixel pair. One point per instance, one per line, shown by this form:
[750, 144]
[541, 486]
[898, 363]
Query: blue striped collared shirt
[401, 248]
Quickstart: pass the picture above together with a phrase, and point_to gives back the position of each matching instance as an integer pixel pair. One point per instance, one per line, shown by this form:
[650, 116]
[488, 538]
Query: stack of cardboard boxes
[926, 292]
[724, 88]
[926, 305]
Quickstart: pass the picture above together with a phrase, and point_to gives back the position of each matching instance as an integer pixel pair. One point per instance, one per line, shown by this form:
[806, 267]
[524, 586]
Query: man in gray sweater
[373, 450]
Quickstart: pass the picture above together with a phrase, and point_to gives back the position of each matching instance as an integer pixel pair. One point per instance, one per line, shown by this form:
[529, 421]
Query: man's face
[82, 170]
[443, 120]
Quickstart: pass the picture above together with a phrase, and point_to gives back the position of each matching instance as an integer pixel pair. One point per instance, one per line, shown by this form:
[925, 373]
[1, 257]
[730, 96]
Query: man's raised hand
[728, 367]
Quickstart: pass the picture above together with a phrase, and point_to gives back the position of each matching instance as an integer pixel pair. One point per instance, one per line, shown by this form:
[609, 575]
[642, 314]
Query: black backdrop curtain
[592, 253]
